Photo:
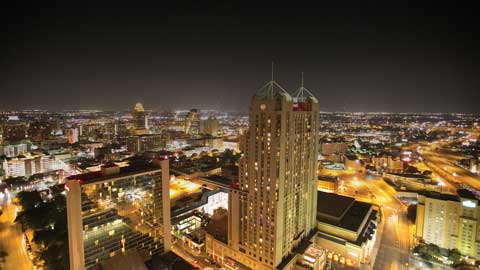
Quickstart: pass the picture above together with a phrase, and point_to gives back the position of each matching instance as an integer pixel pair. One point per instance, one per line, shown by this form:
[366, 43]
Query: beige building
[209, 126]
[191, 124]
[273, 210]
[387, 164]
[450, 221]
[140, 122]
[116, 210]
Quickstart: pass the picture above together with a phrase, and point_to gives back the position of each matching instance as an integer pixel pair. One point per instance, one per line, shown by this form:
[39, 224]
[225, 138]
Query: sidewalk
[376, 246]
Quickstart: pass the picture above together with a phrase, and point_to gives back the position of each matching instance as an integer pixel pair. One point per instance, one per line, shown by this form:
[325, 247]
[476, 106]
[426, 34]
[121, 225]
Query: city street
[12, 240]
[393, 250]
[197, 261]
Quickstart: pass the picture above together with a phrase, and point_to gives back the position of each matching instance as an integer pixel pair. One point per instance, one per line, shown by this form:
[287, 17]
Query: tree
[55, 257]
[412, 213]
[454, 256]
[29, 199]
[3, 255]
[48, 220]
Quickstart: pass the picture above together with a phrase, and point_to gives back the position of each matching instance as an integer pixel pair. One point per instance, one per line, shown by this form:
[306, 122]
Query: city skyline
[356, 58]
[215, 136]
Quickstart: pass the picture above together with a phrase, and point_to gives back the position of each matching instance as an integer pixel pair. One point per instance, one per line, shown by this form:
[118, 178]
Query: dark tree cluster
[48, 221]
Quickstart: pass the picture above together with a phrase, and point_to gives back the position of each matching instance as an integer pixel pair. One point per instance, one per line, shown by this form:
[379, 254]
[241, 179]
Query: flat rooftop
[467, 194]
[341, 211]
[218, 227]
[98, 176]
[169, 260]
[332, 204]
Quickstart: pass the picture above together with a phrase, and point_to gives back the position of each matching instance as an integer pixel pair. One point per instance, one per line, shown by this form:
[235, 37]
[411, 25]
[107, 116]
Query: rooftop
[130, 260]
[131, 169]
[332, 204]
[341, 211]
[218, 226]
[467, 194]
[439, 196]
[270, 89]
[169, 261]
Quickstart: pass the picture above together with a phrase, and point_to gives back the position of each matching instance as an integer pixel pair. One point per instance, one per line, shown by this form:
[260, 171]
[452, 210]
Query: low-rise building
[327, 183]
[347, 228]
[408, 181]
[387, 164]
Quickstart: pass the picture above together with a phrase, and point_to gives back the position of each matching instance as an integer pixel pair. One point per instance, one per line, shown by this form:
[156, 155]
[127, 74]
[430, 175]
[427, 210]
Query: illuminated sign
[469, 204]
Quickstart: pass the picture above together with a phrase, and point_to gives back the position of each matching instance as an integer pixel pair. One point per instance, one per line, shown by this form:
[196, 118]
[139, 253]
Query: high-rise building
[192, 122]
[26, 164]
[117, 210]
[72, 135]
[274, 209]
[209, 126]
[450, 221]
[140, 122]
[142, 143]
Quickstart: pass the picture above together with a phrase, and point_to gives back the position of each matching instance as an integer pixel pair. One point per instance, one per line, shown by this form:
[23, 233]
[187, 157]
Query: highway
[443, 164]
[12, 240]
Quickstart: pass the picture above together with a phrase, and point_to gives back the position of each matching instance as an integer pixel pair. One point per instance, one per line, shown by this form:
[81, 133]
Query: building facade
[191, 124]
[142, 143]
[274, 208]
[449, 221]
[209, 126]
[140, 122]
[118, 209]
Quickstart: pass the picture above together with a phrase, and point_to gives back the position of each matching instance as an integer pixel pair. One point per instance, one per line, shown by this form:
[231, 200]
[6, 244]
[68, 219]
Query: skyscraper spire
[302, 93]
[270, 88]
[272, 71]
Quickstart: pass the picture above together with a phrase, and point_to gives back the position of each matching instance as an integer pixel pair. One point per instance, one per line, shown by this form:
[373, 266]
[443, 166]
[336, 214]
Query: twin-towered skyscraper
[274, 208]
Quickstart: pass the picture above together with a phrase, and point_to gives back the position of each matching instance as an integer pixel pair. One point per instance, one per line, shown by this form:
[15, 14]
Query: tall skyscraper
[275, 207]
[192, 122]
[72, 135]
[140, 122]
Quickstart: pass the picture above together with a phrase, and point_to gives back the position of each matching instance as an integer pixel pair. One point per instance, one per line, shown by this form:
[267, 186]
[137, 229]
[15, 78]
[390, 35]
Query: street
[197, 261]
[12, 240]
[393, 250]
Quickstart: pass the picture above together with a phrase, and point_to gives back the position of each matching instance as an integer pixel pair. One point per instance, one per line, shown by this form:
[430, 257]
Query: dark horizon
[214, 55]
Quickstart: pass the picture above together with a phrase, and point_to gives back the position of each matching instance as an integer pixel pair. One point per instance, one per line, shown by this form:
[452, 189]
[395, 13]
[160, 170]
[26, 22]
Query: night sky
[212, 55]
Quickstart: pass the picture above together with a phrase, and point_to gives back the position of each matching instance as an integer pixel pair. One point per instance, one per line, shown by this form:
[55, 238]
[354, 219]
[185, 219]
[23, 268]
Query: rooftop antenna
[302, 93]
[272, 70]
[267, 91]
